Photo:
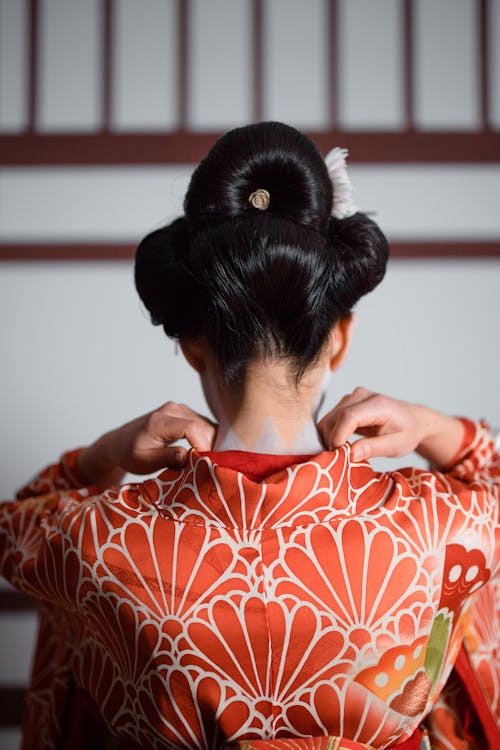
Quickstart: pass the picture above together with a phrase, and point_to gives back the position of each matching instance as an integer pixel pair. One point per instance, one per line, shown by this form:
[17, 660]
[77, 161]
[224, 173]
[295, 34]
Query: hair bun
[163, 280]
[360, 252]
[259, 267]
[270, 157]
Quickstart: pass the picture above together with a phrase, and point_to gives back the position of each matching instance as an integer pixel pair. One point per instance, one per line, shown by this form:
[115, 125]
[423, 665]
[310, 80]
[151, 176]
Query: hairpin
[260, 199]
[343, 204]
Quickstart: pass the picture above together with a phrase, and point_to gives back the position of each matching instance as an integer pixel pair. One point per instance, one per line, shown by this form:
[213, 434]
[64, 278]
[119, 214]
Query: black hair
[259, 283]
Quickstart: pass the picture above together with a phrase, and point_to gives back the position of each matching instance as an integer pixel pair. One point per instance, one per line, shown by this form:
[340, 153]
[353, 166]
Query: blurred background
[106, 105]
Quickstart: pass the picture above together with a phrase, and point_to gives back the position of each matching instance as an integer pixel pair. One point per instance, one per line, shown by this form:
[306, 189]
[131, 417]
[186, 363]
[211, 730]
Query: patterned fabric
[289, 598]
[419, 741]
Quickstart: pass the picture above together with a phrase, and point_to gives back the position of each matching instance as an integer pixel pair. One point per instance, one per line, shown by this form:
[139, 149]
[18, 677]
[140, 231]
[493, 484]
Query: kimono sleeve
[48, 534]
[462, 502]
[478, 459]
[477, 469]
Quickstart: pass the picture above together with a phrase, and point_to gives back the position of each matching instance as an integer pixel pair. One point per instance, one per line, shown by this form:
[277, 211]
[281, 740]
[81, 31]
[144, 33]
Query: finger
[191, 413]
[326, 423]
[174, 409]
[174, 455]
[368, 413]
[145, 462]
[199, 434]
[342, 428]
[381, 446]
[184, 411]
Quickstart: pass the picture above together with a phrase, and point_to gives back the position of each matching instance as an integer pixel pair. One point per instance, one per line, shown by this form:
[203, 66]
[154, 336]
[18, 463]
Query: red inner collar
[256, 466]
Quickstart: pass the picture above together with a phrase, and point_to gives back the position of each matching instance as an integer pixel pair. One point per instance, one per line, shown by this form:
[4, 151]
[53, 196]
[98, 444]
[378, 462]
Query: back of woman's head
[259, 282]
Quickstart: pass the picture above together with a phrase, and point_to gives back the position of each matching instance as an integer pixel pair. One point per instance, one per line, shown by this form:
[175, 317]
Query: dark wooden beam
[429, 249]
[121, 251]
[66, 252]
[189, 148]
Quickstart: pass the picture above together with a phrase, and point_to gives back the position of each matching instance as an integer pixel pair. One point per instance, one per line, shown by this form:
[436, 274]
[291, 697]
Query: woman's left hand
[144, 445]
[391, 428]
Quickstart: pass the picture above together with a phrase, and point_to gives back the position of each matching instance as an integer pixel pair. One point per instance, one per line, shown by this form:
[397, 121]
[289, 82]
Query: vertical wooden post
[257, 60]
[484, 107]
[333, 65]
[408, 56]
[183, 72]
[106, 65]
[32, 64]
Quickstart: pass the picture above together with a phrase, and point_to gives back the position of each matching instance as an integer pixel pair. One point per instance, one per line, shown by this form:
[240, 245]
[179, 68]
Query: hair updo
[256, 282]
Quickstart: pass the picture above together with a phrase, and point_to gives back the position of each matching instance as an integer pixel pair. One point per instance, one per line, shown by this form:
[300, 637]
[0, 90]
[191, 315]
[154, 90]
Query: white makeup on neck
[308, 440]
[228, 440]
[270, 440]
[286, 429]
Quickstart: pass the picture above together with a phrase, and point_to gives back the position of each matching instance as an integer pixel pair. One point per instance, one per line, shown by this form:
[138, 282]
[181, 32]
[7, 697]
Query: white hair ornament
[343, 204]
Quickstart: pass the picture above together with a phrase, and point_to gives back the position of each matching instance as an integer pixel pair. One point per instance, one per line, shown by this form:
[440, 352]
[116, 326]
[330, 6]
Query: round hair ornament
[260, 199]
[343, 203]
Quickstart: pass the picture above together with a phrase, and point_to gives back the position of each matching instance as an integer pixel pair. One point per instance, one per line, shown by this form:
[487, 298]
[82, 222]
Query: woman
[268, 584]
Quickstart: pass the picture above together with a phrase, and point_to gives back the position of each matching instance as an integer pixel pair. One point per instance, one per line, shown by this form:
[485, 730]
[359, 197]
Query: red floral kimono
[251, 597]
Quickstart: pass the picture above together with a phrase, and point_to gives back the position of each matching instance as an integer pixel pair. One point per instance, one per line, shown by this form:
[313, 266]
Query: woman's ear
[195, 352]
[340, 339]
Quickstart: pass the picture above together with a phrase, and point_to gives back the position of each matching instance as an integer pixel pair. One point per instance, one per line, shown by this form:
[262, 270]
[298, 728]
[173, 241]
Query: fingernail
[357, 453]
[179, 457]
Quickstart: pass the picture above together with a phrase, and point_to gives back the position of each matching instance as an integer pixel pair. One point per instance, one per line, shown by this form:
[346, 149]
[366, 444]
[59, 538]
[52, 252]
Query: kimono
[251, 597]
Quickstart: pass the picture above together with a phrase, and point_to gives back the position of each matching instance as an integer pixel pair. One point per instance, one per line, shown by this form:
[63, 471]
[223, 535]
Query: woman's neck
[270, 439]
[270, 414]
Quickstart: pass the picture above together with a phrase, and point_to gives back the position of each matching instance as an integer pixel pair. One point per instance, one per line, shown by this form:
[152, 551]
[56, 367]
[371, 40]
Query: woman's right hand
[391, 427]
[144, 445]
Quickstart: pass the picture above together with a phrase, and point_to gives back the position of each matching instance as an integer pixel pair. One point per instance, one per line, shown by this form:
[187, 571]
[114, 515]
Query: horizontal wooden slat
[188, 148]
[95, 252]
[11, 705]
[446, 249]
[66, 251]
